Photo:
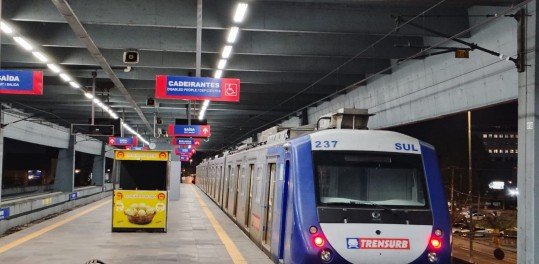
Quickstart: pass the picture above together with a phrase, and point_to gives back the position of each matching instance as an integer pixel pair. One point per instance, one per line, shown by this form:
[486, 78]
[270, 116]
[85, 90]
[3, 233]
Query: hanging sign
[21, 82]
[179, 151]
[197, 88]
[144, 155]
[186, 142]
[185, 158]
[200, 131]
[123, 141]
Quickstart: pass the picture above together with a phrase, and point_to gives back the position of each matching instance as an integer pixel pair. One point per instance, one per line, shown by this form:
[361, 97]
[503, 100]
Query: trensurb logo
[9, 78]
[352, 243]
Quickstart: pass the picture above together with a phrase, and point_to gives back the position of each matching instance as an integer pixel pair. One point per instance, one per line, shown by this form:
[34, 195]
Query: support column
[98, 169]
[528, 146]
[65, 170]
[174, 179]
[1, 145]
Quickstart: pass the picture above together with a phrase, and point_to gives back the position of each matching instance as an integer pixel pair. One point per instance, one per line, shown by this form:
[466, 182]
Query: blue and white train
[336, 196]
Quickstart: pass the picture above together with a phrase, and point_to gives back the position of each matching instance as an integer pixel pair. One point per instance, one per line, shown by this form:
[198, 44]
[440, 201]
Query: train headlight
[319, 241]
[438, 232]
[326, 255]
[313, 229]
[433, 257]
[436, 243]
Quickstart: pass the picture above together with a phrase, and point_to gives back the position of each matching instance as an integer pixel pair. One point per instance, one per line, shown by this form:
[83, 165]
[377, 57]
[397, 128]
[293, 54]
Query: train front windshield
[366, 179]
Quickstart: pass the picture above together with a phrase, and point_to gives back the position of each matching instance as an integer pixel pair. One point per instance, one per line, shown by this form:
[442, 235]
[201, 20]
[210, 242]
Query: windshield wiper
[383, 208]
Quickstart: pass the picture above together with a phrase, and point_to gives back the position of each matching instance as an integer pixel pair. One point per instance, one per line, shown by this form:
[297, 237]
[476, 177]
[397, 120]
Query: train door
[248, 202]
[237, 190]
[227, 185]
[221, 184]
[268, 202]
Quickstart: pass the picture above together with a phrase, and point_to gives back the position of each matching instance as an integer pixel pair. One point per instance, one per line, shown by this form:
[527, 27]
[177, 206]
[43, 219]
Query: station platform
[198, 232]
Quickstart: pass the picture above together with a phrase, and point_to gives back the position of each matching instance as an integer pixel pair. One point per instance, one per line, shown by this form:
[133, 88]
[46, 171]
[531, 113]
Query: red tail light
[319, 241]
[436, 243]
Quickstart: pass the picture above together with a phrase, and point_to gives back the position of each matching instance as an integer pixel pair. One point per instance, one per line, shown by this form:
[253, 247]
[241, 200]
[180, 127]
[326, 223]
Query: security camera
[128, 69]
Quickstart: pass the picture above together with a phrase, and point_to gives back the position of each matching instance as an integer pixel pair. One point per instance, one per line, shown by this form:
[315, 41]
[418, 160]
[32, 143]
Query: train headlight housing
[326, 255]
[313, 229]
[433, 257]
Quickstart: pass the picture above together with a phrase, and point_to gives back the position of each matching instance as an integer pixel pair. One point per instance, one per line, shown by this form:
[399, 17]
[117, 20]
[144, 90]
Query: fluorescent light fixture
[74, 85]
[226, 51]
[233, 34]
[89, 95]
[221, 65]
[100, 104]
[206, 103]
[65, 77]
[218, 74]
[239, 15]
[54, 68]
[97, 101]
[23, 43]
[5, 28]
[40, 56]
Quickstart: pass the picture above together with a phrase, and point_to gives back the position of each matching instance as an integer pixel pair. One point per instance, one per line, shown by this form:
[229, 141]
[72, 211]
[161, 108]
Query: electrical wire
[491, 19]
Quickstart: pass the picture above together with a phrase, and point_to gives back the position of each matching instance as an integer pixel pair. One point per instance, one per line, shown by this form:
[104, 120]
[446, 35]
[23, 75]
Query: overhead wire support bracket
[472, 46]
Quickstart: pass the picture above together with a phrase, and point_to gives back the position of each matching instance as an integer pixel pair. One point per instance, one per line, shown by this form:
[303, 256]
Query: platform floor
[195, 235]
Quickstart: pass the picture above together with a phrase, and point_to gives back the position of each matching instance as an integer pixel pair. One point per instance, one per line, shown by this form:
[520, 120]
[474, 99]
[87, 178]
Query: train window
[258, 184]
[268, 219]
[237, 190]
[249, 201]
[356, 179]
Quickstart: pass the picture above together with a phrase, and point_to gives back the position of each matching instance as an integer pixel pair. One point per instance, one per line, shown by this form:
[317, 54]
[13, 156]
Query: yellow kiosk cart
[140, 190]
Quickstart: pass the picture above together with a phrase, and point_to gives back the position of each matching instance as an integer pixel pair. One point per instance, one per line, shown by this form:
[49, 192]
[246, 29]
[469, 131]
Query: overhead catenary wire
[490, 19]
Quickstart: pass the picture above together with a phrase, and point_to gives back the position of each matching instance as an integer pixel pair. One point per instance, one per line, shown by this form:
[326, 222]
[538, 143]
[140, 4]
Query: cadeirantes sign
[199, 131]
[21, 82]
[197, 88]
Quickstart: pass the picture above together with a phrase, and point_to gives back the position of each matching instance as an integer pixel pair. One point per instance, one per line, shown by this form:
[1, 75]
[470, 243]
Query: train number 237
[325, 144]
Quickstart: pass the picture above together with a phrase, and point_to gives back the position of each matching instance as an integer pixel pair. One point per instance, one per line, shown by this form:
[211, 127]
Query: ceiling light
[233, 34]
[222, 64]
[89, 95]
[74, 85]
[40, 56]
[241, 9]
[226, 51]
[97, 102]
[23, 43]
[206, 102]
[5, 28]
[65, 77]
[54, 68]
[218, 74]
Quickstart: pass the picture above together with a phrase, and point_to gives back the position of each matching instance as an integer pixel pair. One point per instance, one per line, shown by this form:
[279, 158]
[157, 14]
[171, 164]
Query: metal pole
[154, 123]
[198, 51]
[452, 194]
[470, 183]
[94, 75]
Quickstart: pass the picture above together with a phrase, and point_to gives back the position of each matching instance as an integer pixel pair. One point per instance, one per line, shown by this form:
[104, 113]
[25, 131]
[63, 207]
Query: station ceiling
[283, 51]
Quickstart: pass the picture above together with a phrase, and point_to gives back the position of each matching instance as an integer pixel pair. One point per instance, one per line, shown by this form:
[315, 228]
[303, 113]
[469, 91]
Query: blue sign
[197, 88]
[202, 131]
[21, 82]
[4, 213]
[122, 141]
[73, 196]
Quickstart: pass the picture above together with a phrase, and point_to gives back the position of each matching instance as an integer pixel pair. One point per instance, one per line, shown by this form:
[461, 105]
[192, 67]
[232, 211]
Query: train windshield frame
[366, 179]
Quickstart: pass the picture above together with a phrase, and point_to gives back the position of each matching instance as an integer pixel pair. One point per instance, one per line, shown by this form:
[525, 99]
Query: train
[339, 193]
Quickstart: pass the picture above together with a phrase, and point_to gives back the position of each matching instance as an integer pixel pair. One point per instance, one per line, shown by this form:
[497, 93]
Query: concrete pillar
[174, 180]
[1, 145]
[528, 147]
[65, 170]
[98, 170]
